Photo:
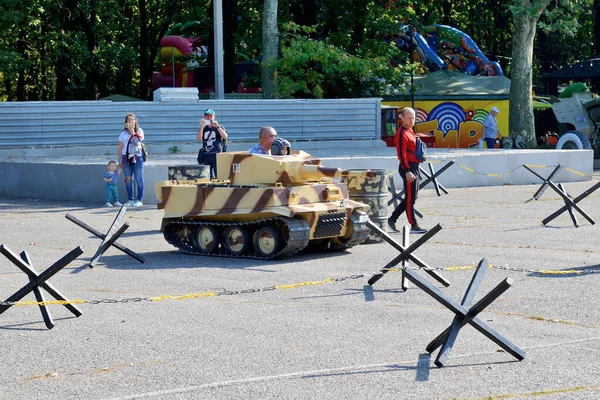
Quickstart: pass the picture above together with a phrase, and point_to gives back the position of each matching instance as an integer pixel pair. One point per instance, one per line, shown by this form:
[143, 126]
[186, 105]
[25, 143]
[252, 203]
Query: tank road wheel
[267, 241]
[236, 240]
[206, 239]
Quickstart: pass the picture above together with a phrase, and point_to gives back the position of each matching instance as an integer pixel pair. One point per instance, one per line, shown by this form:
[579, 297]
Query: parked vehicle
[569, 122]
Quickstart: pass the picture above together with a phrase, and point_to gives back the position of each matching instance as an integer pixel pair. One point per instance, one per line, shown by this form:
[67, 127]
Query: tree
[526, 15]
[270, 47]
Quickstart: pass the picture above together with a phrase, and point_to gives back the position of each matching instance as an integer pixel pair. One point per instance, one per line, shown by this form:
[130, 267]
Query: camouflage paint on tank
[252, 188]
[245, 169]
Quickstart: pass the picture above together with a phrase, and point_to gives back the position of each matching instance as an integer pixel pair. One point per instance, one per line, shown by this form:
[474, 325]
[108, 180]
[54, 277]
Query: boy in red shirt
[406, 145]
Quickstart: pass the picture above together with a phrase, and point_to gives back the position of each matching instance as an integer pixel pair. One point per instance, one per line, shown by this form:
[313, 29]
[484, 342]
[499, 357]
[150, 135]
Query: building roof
[448, 84]
[120, 98]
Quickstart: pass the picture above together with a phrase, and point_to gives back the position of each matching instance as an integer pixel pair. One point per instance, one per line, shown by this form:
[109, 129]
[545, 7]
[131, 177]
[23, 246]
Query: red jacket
[405, 140]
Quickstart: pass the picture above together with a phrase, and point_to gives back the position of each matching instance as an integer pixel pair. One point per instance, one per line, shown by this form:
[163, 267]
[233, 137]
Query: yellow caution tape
[575, 172]
[185, 296]
[467, 168]
[536, 166]
[48, 303]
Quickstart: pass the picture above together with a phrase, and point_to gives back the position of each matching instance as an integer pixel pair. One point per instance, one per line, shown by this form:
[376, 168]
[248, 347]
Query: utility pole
[218, 49]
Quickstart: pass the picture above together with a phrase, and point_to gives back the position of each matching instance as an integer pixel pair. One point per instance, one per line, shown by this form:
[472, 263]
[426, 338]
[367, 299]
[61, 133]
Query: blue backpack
[421, 151]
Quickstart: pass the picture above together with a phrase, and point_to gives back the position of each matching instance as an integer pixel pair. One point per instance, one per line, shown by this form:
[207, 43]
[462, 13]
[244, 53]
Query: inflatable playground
[455, 91]
[184, 62]
[440, 47]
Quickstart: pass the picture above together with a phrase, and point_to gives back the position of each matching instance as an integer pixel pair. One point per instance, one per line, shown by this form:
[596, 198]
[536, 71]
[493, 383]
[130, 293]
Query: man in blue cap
[212, 135]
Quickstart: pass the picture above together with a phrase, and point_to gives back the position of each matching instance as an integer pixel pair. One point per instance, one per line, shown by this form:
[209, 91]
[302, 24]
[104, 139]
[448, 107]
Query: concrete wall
[80, 179]
[68, 123]
[488, 168]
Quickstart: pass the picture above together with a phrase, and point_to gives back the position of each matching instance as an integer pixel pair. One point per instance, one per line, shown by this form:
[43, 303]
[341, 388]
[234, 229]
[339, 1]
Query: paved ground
[328, 341]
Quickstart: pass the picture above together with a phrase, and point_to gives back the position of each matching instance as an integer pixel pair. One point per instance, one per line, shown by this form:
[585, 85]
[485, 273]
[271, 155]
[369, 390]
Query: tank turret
[263, 207]
[299, 167]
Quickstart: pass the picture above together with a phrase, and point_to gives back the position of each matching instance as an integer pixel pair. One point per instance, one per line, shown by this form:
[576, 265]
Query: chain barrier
[286, 286]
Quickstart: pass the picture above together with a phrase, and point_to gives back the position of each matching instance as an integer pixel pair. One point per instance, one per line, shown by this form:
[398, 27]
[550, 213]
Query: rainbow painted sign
[455, 124]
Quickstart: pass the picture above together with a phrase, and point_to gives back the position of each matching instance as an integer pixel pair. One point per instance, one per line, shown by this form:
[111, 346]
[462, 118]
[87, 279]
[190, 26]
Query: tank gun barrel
[318, 172]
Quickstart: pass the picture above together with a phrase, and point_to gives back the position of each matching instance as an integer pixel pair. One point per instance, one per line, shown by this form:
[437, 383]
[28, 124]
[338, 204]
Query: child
[110, 177]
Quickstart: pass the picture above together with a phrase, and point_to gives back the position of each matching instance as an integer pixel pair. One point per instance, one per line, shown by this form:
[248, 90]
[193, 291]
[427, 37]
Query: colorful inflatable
[443, 47]
[186, 53]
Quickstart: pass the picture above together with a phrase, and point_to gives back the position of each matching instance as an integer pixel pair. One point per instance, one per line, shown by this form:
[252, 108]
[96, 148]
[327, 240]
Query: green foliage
[316, 69]
[82, 49]
[174, 150]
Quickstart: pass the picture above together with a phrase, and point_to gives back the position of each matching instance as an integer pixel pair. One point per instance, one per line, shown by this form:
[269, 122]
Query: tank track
[361, 229]
[299, 235]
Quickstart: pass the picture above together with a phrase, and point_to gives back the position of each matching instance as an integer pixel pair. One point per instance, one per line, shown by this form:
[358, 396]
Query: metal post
[218, 49]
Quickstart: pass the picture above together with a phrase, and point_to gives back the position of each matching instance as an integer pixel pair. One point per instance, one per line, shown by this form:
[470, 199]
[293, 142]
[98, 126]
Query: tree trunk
[63, 63]
[124, 74]
[22, 72]
[230, 24]
[92, 74]
[446, 7]
[521, 121]
[270, 42]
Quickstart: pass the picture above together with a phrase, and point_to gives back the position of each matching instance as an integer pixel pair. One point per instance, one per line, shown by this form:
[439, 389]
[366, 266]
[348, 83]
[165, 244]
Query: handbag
[201, 156]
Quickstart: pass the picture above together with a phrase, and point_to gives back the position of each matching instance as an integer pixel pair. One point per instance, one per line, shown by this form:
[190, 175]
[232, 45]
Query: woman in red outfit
[406, 145]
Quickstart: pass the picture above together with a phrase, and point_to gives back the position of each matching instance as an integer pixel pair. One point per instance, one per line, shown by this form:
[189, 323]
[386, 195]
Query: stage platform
[76, 173]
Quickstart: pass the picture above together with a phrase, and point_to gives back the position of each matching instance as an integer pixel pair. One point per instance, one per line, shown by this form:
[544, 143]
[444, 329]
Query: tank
[263, 207]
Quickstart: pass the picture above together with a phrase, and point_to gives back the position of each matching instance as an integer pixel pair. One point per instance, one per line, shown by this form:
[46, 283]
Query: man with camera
[213, 136]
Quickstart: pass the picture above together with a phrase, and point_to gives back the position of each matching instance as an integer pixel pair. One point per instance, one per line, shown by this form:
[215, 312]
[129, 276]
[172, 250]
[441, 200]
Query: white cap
[495, 109]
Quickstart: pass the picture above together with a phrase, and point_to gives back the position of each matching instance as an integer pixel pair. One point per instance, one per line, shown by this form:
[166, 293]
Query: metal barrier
[68, 123]
[37, 281]
[110, 239]
[570, 204]
[463, 314]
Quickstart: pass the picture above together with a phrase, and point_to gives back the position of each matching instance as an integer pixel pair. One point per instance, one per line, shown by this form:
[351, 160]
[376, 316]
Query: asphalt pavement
[307, 326]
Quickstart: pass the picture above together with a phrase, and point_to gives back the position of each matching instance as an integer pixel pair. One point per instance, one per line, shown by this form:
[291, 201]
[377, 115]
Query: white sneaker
[107, 205]
[117, 204]
[137, 203]
[129, 203]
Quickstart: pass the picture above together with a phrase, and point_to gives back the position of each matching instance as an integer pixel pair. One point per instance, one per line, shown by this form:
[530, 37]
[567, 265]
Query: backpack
[421, 151]
[130, 152]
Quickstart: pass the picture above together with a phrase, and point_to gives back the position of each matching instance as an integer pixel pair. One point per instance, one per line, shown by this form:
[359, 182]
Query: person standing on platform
[110, 183]
[406, 145]
[131, 159]
[490, 128]
[213, 136]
